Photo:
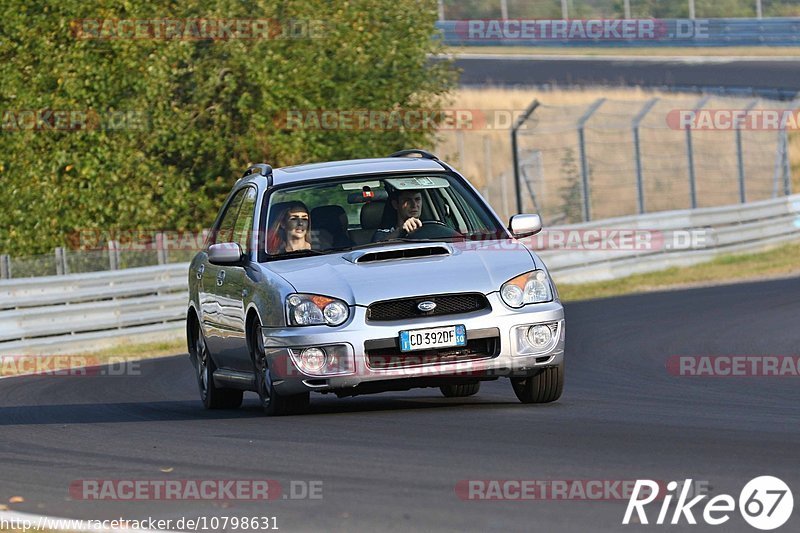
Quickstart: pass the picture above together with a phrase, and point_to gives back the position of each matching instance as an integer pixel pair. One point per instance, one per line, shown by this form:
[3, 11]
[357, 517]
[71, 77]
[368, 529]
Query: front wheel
[213, 397]
[272, 403]
[544, 387]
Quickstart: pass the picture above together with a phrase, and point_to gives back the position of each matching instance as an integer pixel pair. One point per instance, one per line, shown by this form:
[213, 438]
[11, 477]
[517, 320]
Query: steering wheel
[434, 229]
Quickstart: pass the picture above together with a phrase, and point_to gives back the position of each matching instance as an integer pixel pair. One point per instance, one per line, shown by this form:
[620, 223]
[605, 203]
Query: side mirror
[226, 253]
[525, 225]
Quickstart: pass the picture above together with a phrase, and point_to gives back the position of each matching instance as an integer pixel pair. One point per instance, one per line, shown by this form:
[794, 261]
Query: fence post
[740, 154]
[61, 262]
[690, 155]
[637, 153]
[787, 167]
[587, 212]
[515, 151]
[5, 266]
[113, 255]
[161, 249]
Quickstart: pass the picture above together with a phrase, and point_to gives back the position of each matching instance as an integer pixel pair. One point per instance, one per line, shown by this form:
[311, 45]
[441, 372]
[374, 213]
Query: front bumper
[289, 379]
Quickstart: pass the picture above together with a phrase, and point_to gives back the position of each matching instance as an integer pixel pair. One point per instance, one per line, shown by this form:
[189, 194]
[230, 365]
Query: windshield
[359, 212]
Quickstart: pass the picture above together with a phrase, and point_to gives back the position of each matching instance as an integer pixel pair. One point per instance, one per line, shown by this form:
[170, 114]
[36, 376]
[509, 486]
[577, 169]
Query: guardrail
[61, 313]
[721, 230]
[783, 31]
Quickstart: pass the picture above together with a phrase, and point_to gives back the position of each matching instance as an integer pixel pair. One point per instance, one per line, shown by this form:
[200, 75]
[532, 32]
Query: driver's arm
[409, 226]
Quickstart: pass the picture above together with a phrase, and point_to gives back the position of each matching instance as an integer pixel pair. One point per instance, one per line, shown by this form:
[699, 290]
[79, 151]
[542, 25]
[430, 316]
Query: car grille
[448, 304]
[389, 358]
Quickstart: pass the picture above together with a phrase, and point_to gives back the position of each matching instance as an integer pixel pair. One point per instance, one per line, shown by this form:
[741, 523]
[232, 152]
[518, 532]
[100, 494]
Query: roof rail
[415, 151]
[263, 170]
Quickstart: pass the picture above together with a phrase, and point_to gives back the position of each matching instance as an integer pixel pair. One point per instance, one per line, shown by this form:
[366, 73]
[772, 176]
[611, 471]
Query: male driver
[408, 204]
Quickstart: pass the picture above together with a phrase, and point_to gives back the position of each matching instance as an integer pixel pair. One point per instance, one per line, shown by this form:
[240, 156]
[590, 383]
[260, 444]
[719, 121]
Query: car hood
[381, 273]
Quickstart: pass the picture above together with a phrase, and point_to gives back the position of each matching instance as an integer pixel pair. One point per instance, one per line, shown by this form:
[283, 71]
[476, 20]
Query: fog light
[539, 336]
[312, 359]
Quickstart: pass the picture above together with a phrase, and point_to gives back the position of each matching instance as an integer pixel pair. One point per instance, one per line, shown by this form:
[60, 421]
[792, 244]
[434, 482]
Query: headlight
[531, 288]
[312, 309]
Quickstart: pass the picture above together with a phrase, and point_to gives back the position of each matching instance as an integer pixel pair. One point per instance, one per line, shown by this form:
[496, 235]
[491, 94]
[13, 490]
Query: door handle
[220, 278]
[200, 270]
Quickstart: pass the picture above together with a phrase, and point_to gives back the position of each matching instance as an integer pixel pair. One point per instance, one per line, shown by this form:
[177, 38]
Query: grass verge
[775, 263]
[57, 363]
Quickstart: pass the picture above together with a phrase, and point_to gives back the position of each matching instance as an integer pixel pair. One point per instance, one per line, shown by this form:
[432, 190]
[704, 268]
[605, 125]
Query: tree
[173, 122]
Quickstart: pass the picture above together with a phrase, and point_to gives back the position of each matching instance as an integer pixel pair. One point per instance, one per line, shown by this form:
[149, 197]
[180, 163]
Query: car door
[234, 286]
[213, 303]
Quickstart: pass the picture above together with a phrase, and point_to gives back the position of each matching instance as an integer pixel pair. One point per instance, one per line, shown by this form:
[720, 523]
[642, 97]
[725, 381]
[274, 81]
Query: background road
[771, 76]
[392, 461]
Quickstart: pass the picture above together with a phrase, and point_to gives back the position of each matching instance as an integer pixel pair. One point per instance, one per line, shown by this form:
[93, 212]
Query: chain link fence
[115, 255]
[615, 158]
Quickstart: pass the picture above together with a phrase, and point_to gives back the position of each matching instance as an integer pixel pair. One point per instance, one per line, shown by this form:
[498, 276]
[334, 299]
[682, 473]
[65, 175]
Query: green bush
[197, 111]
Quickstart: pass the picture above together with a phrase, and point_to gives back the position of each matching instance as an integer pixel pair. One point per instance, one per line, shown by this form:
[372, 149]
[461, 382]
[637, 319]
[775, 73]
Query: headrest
[329, 216]
[372, 214]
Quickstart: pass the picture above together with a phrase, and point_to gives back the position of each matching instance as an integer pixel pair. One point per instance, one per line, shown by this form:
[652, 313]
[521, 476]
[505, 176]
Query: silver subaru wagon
[365, 276]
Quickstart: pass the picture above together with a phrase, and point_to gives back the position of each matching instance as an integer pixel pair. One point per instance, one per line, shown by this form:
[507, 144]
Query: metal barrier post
[161, 249]
[637, 154]
[690, 156]
[740, 154]
[787, 167]
[60, 262]
[515, 150]
[5, 266]
[113, 255]
[587, 212]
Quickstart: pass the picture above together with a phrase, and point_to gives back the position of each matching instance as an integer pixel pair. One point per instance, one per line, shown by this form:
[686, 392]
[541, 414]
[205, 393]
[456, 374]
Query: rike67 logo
[765, 503]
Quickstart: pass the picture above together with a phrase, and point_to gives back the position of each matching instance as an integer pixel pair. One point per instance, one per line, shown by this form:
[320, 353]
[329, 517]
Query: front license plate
[425, 339]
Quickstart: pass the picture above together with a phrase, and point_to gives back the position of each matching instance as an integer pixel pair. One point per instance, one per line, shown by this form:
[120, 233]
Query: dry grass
[114, 355]
[758, 51]
[777, 263]
[484, 155]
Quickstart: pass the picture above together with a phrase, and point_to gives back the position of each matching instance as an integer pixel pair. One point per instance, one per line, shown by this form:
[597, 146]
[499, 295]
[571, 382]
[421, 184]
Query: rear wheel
[544, 387]
[460, 390]
[213, 397]
[272, 403]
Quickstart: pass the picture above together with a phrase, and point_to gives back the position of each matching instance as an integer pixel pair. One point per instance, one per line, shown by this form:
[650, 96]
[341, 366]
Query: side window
[244, 222]
[224, 232]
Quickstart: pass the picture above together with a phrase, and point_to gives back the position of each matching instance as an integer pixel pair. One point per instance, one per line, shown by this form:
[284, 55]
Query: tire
[461, 390]
[544, 387]
[212, 396]
[272, 403]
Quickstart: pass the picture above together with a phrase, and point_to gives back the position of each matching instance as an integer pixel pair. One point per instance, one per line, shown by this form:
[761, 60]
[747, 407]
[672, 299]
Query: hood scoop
[405, 252]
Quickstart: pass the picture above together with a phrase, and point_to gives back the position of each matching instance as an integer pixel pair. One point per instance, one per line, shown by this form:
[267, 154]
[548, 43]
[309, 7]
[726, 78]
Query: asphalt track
[767, 77]
[392, 461]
